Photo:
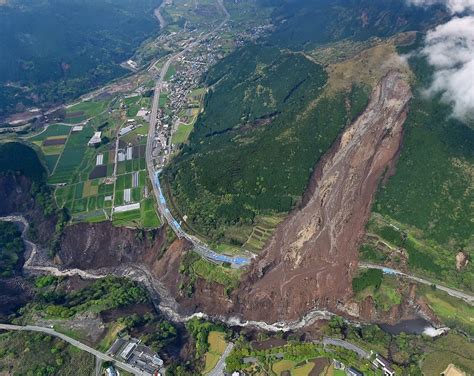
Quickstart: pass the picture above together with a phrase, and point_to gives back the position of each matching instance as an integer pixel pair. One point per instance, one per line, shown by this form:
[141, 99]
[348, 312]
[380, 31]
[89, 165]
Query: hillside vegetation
[256, 155]
[23, 353]
[55, 50]
[304, 24]
[427, 205]
[11, 248]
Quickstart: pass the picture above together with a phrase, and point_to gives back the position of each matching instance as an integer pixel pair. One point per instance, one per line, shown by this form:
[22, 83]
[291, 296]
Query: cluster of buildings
[378, 362]
[192, 65]
[137, 355]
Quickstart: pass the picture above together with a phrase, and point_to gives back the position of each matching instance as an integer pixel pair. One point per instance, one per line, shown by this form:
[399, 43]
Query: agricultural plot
[72, 156]
[134, 104]
[88, 181]
[265, 225]
[51, 142]
[217, 345]
[84, 110]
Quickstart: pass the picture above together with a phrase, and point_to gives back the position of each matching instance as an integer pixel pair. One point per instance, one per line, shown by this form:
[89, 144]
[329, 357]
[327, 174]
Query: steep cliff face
[94, 246]
[312, 257]
[15, 197]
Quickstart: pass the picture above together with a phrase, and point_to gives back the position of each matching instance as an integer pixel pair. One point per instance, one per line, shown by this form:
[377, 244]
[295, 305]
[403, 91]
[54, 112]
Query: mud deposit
[313, 255]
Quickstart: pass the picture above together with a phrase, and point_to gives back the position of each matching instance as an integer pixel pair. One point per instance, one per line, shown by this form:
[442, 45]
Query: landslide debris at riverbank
[16, 197]
[94, 246]
[311, 259]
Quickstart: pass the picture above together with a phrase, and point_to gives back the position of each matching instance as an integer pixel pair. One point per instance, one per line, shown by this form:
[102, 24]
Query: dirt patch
[76, 114]
[319, 365]
[93, 246]
[310, 261]
[365, 68]
[269, 344]
[98, 172]
[54, 141]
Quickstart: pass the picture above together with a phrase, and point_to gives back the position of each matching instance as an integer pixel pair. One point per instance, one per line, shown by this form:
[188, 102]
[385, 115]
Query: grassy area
[39, 354]
[52, 130]
[451, 311]
[283, 365]
[217, 345]
[385, 293]
[367, 278]
[193, 266]
[170, 73]
[182, 133]
[303, 370]
[446, 350]
[84, 110]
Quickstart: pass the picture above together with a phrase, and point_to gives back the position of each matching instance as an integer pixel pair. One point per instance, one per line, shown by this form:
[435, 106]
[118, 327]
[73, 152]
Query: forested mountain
[54, 50]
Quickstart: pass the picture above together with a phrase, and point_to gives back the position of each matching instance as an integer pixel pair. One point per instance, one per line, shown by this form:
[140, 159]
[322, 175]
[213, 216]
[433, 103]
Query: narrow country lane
[468, 298]
[199, 247]
[220, 366]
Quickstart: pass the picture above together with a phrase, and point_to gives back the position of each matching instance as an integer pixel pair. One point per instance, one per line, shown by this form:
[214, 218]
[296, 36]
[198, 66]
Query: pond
[412, 326]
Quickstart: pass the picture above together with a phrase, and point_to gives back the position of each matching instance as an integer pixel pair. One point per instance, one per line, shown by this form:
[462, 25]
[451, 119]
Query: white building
[96, 139]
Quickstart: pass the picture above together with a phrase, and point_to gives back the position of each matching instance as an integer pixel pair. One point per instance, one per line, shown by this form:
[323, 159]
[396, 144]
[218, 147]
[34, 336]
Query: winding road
[75, 343]
[455, 293]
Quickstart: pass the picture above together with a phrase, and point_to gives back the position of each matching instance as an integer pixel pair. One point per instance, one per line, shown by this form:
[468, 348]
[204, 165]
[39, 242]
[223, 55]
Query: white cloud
[449, 48]
[455, 6]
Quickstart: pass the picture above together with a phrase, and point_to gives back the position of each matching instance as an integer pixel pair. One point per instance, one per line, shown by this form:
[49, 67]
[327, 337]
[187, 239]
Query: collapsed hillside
[312, 257]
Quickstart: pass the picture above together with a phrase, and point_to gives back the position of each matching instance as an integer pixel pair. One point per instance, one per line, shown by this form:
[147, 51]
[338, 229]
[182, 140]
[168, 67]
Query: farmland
[92, 180]
[217, 345]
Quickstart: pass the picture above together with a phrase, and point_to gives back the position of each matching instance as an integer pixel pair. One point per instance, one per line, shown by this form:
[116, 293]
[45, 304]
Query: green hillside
[55, 50]
[253, 149]
[429, 199]
[304, 24]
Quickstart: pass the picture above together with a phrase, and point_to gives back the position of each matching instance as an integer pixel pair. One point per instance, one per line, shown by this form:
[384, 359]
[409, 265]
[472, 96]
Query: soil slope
[312, 257]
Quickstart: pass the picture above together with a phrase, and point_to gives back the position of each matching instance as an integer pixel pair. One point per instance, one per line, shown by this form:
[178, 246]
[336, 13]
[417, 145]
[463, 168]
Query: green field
[217, 345]
[84, 110]
[429, 197]
[450, 349]
[182, 134]
[51, 131]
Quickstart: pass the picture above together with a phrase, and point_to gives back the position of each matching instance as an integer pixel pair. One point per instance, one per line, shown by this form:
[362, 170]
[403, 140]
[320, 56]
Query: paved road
[347, 345]
[220, 366]
[468, 298]
[75, 343]
[163, 209]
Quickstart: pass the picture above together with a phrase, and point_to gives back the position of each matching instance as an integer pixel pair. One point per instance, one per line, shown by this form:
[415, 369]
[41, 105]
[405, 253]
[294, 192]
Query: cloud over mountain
[455, 6]
[449, 48]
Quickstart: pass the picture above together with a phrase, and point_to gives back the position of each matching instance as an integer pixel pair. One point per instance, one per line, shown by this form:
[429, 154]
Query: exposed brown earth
[94, 246]
[313, 255]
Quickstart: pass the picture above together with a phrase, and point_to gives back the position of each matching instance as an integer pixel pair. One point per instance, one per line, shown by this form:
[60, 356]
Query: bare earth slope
[311, 258]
